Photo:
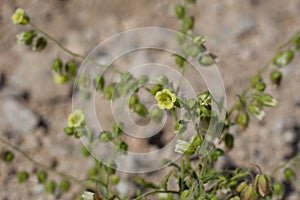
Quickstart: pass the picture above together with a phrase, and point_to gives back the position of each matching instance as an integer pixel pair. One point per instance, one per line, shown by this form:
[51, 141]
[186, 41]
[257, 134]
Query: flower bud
[69, 130]
[156, 88]
[180, 11]
[64, 185]
[26, 37]
[229, 141]
[267, 100]
[40, 44]
[8, 156]
[275, 77]
[263, 184]
[140, 109]
[289, 174]
[41, 176]
[207, 60]
[256, 111]
[50, 187]
[114, 179]
[57, 66]
[22, 176]
[283, 58]
[241, 187]
[242, 119]
[254, 80]
[188, 23]
[20, 17]
[99, 82]
[180, 61]
[261, 86]
[250, 193]
[71, 67]
[156, 114]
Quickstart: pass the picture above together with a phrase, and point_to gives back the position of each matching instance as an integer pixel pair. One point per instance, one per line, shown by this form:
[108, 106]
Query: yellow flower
[76, 119]
[60, 79]
[20, 17]
[165, 99]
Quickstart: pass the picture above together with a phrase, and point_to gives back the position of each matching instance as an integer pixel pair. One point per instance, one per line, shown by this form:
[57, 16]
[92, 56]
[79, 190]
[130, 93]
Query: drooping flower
[165, 99]
[76, 119]
[20, 17]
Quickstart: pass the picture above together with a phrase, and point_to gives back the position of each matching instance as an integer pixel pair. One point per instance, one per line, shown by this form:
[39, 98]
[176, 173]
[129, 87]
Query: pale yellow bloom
[165, 99]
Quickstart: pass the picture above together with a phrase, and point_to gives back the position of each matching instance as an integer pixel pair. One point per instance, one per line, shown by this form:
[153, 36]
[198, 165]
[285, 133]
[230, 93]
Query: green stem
[41, 165]
[288, 162]
[62, 47]
[155, 192]
[56, 42]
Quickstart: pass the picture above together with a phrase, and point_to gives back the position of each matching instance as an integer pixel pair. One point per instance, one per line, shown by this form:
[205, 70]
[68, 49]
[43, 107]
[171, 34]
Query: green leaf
[207, 59]
[276, 77]
[41, 176]
[71, 67]
[188, 23]
[50, 186]
[165, 181]
[229, 141]
[64, 185]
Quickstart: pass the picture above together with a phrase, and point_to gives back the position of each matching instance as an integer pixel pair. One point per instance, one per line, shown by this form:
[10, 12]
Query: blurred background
[34, 110]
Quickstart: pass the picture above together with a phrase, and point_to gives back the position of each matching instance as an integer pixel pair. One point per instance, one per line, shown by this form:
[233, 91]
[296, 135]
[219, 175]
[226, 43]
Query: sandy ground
[244, 34]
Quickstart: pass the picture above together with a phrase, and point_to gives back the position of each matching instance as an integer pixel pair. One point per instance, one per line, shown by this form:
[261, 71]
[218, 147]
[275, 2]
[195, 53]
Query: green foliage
[195, 175]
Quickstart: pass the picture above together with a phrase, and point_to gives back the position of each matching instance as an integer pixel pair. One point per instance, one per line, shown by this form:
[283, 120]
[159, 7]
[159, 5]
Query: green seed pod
[188, 23]
[8, 156]
[114, 179]
[23, 176]
[283, 58]
[50, 187]
[256, 111]
[276, 77]
[71, 67]
[250, 193]
[69, 130]
[242, 119]
[262, 184]
[40, 44]
[64, 185]
[156, 88]
[57, 65]
[105, 136]
[26, 37]
[241, 187]
[179, 11]
[140, 109]
[289, 174]
[41, 176]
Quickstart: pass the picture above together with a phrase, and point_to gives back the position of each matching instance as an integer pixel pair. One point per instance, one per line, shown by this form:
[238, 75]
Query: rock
[17, 116]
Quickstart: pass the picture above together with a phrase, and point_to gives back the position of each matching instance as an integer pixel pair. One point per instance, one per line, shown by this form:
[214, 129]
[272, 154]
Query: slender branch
[41, 165]
[283, 165]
